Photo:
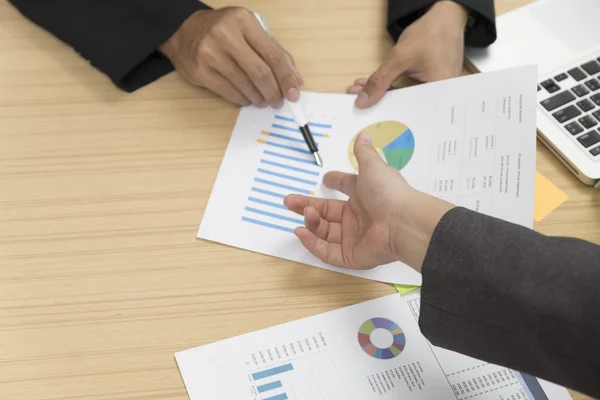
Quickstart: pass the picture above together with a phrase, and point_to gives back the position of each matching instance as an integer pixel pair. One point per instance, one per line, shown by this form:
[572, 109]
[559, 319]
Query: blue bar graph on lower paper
[268, 386]
[281, 396]
[272, 371]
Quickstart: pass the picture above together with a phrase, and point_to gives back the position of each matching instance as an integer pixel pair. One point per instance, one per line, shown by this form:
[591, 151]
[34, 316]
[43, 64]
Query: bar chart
[267, 390]
[286, 167]
[312, 376]
[298, 369]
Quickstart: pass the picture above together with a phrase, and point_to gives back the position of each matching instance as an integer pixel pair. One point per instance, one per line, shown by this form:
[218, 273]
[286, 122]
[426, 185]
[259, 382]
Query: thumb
[381, 80]
[365, 153]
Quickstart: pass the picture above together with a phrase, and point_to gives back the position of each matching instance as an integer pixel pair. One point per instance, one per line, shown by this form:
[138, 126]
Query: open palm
[355, 233]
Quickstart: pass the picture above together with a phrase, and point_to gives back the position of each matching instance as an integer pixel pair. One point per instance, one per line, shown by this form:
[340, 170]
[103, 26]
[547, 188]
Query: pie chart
[393, 140]
[398, 339]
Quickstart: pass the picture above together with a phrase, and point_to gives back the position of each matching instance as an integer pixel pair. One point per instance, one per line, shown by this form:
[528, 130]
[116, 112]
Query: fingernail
[354, 89]
[293, 94]
[361, 81]
[362, 100]
[366, 137]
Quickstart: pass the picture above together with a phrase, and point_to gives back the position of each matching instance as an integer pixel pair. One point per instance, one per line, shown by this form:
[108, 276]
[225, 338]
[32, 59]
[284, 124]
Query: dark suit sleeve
[510, 296]
[119, 37]
[402, 13]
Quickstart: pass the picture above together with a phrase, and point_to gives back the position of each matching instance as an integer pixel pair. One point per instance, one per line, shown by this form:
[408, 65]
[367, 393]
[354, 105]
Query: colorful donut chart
[364, 338]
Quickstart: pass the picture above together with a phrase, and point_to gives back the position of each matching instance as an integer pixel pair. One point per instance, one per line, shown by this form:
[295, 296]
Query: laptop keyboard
[573, 99]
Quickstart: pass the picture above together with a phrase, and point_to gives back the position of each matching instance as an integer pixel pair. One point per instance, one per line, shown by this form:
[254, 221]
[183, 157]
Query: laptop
[563, 38]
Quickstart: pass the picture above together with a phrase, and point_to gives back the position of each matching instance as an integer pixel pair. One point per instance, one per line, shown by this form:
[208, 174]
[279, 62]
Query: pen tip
[318, 159]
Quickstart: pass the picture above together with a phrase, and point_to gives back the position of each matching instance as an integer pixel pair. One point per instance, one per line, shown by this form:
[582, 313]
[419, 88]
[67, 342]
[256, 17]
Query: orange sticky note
[548, 197]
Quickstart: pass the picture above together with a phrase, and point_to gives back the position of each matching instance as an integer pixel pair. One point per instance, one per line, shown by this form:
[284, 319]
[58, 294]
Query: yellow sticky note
[547, 197]
[403, 289]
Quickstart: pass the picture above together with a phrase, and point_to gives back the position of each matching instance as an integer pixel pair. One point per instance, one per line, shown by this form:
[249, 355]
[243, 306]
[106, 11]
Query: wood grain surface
[101, 194]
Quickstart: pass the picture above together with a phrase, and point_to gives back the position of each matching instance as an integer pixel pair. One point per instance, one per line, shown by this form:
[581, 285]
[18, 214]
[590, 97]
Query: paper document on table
[371, 350]
[469, 140]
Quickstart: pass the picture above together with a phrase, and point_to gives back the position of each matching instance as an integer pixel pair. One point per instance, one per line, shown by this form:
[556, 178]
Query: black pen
[302, 123]
[296, 111]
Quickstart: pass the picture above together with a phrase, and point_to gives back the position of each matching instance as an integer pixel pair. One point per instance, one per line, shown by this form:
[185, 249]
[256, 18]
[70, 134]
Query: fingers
[231, 42]
[381, 80]
[340, 181]
[331, 210]
[330, 253]
[292, 65]
[217, 84]
[354, 89]
[357, 87]
[238, 78]
[365, 153]
[275, 58]
[259, 73]
[328, 231]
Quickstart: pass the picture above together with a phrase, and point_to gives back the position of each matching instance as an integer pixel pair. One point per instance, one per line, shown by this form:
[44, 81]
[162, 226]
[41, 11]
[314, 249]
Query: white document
[372, 350]
[469, 140]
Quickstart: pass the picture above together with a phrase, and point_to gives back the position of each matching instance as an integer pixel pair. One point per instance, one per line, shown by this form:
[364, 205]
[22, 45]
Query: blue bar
[304, 171]
[288, 147]
[279, 185]
[273, 371]
[316, 125]
[258, 190]
[280, 136]
[286, 128]
[268, 225]
[268, 386]
[268, 214]
[267, 203]
[281, 117]
[310, 123]
[272, 153]
[284, 176]
[289, 128]
[281, 396]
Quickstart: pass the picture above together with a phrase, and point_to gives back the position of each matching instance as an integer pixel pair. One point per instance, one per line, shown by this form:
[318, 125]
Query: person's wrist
[168, 48]
[413, 225]
[451, 11]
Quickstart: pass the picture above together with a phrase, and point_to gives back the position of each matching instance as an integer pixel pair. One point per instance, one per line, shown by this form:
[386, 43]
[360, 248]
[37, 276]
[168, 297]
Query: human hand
[227, 52]
[430, 49]
[384, 219]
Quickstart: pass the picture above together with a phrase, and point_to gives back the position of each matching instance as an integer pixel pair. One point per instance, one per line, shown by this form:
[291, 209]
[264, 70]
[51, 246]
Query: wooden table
[101, 193]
